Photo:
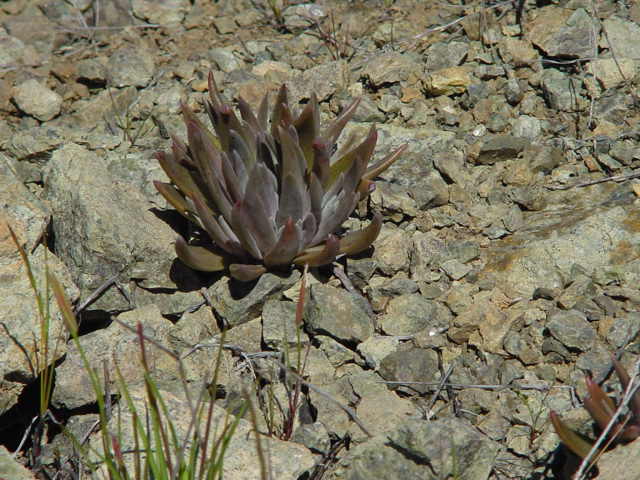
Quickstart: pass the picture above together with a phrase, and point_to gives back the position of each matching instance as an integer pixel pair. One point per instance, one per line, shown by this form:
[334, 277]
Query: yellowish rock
[448, 81]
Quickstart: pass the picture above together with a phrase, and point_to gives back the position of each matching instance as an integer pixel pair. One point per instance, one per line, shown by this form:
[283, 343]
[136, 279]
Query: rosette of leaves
[269, 188]
[602, 408]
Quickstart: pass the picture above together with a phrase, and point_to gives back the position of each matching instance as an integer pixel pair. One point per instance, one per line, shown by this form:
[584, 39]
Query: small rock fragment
[130, 67]
[501, 147]
[448, 81]
[572, 329]
[36, 100]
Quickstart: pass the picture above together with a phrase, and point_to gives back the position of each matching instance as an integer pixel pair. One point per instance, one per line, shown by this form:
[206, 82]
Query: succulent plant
[602, 409]
[269, 189]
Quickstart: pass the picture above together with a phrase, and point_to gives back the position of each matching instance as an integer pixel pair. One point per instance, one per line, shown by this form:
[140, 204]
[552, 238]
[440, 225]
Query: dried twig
[98, 292]
[120, 27]
[615, 178]
[520, 13]
[463, 386]
[613, 53]
[593, 38]
[436, 394]
[42, 236]
[339, 272]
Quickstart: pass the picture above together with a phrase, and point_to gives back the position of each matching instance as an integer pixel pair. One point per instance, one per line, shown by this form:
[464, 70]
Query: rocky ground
[507, 268]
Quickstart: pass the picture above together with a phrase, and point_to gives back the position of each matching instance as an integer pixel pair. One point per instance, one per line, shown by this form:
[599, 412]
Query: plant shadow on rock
[186, 279]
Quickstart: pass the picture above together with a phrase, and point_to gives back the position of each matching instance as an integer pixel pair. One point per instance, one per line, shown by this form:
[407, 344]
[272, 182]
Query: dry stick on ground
[606, 37]
[339, 272]
[441, 386]
[97, 293]
[42, 236]
[593, 39]
[462, 386]
[520, 13]
[630, 391]
[121, 27]
[615, 178]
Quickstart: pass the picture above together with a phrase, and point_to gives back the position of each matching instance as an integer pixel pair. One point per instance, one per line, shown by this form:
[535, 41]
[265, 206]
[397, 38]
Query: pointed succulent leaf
[321, 254]
[334, 130]
[224, 121]
[239, 146]
[308, 127]
[231, 180]
[292, 156]
[221, 115]
[345, 183]
[346, 145]
[241, 224]
[247, 114]
[602, 405]
[214, 95]
[334, 213]
[355, 242]
[262, 224]
[209, 162]
[246, 273]
[175, 199]
[571, 439]
[333, 191]
[191, 118]
[354, 174]
[623, 376]
[602, 409]
[309, 229]
[281, 116]
[199, 258]
[382, 165]
[361, 155]
[266, 153]
[266, 186]
[234, 124]
[597, 412]
[179, 175]
[321, 161]
[292, 199]
[213, 228]
[287, 247]
[263, 113]
[181, 152]
[218, 116]
[213, 180]
[240, 169]
[316, 194]
[365, 188]
[228, 231]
